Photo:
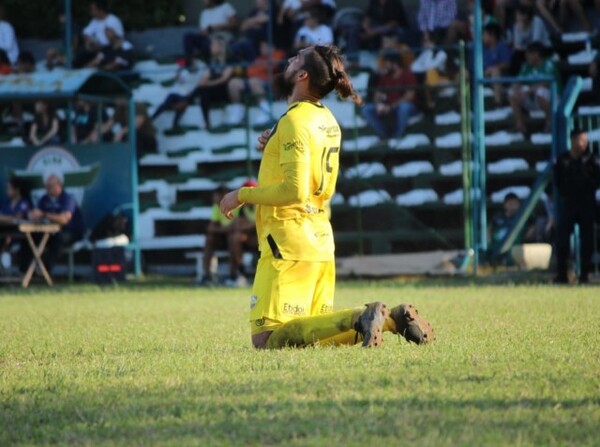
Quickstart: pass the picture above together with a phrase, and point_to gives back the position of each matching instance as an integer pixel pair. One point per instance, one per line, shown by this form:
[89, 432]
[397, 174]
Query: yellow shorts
[284, 290]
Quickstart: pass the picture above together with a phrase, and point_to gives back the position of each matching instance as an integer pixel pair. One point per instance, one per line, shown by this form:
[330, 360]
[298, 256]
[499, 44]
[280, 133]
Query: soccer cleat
[370, 323]
[411, 325]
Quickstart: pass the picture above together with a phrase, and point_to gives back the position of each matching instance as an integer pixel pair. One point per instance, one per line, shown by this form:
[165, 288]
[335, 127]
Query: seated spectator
[218, 18]
[463, 27]
[436, 15]
[231, 235]
[255, 28]
[17, 205]
[394, 97]
[44, 129]
[313, 32]
[213, 85]
[56, 57]
[94, 34]
[256, 83]
[436, 67]
[293, 13]
[59, 207]
[25, 63]
[542, 228]
[528, 28]
[390, 42]
[117, 55]
[5, 65]
[16, 208]
[145, 132]
[534, 96]
[550, 9]
[185, 82]
[496, 57]
[8, 39]
[382, 18]
[86, 128]
[502, 222]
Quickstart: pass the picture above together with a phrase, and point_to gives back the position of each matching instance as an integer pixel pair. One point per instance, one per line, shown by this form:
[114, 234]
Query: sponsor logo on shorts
[253, 301]
[326, 309]
[293, 310]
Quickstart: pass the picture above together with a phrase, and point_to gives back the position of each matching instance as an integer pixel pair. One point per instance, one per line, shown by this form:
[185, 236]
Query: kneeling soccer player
[292, 302]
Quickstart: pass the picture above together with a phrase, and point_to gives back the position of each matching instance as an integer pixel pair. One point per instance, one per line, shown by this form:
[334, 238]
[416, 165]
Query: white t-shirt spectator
[219, 15]
[8, 41]
[96, 28]
[321, 35]
[537, 32]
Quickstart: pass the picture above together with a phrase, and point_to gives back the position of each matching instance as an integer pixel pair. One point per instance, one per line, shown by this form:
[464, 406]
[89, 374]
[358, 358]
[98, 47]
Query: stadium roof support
[91, 85]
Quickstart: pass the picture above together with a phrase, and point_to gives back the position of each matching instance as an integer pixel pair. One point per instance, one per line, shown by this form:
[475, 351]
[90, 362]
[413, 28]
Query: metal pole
[68, 34]
[479, 199]
[132, 133]
[465, 134]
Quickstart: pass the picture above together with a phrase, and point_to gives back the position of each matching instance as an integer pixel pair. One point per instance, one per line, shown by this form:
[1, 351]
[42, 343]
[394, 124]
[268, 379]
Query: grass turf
[173, 366]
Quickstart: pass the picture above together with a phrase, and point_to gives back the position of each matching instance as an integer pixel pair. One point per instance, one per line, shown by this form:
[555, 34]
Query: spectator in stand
[577, 177]
[293, 13]
[382, 18]
[255, 27]
[314, 32]
[16, 208]
[528, 28]
[5, 65]
[218, 18]
[394, 98]
[256, 83]
[228, 234]
[59, 207]
[86, 128]
[25, 63]
[390, 42]
[550, 9]
[213, 85]
[184, 83]
[8, 39]
[56, 58]
[44, 129]
[94, 34]
[533, 96]
[434, 66]
[463, 28]
[145, 135]
[502, 222]
[436, 15]
[117, 55]
[496, 57]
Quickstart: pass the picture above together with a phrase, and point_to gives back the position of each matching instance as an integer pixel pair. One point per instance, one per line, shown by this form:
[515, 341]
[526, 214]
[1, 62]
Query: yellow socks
[328, 328]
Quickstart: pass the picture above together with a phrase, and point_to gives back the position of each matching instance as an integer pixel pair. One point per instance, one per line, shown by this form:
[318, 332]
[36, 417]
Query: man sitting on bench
[59, 207]
[234, 236]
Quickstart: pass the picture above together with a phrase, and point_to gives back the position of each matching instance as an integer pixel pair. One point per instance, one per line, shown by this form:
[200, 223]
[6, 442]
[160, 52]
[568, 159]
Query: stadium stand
[394, 196]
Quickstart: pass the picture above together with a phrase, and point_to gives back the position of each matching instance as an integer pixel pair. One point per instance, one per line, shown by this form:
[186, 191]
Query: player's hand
[229, 203]
[262, 140]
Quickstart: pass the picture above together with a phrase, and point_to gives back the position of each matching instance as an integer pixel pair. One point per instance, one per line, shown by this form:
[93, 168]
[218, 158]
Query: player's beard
[282, 85]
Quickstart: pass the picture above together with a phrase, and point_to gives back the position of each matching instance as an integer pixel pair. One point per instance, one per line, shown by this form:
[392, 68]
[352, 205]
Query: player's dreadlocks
[326, 70]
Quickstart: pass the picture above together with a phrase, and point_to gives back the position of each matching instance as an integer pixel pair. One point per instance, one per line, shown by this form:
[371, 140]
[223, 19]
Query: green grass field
[513, 365]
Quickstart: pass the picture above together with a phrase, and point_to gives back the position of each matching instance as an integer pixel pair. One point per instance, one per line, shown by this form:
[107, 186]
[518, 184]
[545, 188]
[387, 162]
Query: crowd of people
[230, 59]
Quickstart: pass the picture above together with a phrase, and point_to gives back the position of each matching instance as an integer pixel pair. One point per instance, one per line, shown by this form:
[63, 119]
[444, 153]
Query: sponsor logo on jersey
[290, 145]
[253, 301]
[330, 131]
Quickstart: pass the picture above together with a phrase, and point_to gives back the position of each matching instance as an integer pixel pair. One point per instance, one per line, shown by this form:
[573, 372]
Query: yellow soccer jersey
[297, 176]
